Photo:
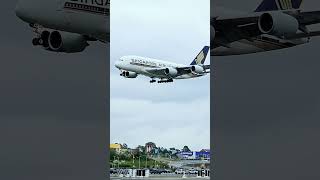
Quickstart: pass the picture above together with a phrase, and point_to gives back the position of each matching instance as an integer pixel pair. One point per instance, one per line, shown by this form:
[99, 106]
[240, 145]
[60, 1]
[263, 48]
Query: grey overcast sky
[174, 114]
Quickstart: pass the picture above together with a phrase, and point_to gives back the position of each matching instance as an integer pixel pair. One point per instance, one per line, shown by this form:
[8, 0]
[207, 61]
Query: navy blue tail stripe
[273, 5]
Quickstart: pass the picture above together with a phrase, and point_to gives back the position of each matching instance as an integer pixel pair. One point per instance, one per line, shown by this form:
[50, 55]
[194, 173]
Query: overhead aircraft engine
[197, 69]
[67, 42]
[172, 72]
[128, 74]
[278, 24]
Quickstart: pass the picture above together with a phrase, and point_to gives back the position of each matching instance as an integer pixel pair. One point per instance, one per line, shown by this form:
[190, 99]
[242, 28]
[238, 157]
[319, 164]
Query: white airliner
[66, 25]
[132, 66]
[275, 24]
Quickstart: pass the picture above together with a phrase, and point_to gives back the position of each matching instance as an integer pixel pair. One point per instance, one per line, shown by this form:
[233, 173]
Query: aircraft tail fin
[274, 5]
[201, 57]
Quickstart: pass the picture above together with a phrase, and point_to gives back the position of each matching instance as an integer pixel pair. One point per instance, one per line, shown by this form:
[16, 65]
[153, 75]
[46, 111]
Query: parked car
[179, 171]
[113, 171]
[192, 171]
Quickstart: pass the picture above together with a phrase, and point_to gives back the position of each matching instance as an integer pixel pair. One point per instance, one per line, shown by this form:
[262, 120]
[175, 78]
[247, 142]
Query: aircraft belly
[89, 24]
[45, 13]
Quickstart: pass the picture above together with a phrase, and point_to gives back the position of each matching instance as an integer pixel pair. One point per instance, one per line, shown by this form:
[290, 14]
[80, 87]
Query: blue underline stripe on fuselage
[138, 64]
[87, 8]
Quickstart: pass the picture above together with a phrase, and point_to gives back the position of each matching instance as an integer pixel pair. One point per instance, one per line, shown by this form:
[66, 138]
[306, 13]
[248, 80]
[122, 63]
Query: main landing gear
[152, 81]
[42, 36]
[165, 81]
[161, 81]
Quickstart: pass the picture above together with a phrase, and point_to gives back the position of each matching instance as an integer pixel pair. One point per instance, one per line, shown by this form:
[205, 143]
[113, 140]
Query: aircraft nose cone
[117, 64]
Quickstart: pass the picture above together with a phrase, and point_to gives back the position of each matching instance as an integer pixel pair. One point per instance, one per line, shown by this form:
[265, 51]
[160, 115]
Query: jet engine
[66, 42]
[197, 69]
[278, 24]
[128, 74]
[172, 72]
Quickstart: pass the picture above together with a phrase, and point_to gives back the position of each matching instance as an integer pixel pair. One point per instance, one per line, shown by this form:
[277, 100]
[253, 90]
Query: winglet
[201, 57]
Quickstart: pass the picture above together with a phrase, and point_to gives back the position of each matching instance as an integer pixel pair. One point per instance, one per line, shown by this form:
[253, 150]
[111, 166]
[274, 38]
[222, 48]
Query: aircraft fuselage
[86, 17]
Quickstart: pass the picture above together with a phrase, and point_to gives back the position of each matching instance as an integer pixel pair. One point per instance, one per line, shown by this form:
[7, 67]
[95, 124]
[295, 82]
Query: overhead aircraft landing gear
[42, 36]
[36, 41]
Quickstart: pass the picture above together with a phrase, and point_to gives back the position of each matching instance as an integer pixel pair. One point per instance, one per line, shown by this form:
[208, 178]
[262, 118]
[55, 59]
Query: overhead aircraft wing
[304, 35]
[157, 71]
[233, 29]
[181, 70]
[308, 18]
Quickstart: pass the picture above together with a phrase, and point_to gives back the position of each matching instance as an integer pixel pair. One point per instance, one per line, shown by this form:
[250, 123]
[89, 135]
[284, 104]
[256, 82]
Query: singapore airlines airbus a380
[132, 66]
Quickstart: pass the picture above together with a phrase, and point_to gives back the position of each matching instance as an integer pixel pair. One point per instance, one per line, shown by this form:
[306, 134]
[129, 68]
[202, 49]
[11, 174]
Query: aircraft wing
[308, 18]
[181, 70]
[157, 71]
[233, 29]
[161, 72]
[187, 70]
[304, 35]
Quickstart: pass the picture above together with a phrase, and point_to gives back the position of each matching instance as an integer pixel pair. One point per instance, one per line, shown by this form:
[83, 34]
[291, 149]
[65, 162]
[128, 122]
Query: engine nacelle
[67, 42]
[197, 69]
[172, 72]
[128, 74]
[278, 24]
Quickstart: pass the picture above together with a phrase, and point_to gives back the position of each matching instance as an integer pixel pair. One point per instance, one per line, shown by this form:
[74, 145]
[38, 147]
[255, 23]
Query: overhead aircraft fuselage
[85, 17]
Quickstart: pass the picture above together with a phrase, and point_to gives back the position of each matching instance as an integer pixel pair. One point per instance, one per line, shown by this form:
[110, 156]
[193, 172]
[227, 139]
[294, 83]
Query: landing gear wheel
[41, 42]
[36, 41]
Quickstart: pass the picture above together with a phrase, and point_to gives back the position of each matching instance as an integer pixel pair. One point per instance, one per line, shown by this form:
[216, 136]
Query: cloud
[169, 123]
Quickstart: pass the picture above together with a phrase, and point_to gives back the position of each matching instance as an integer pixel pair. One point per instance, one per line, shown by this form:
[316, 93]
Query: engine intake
[172, 72]
[128, 74]
[197, 69]
[278, 24]
[67, 42]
